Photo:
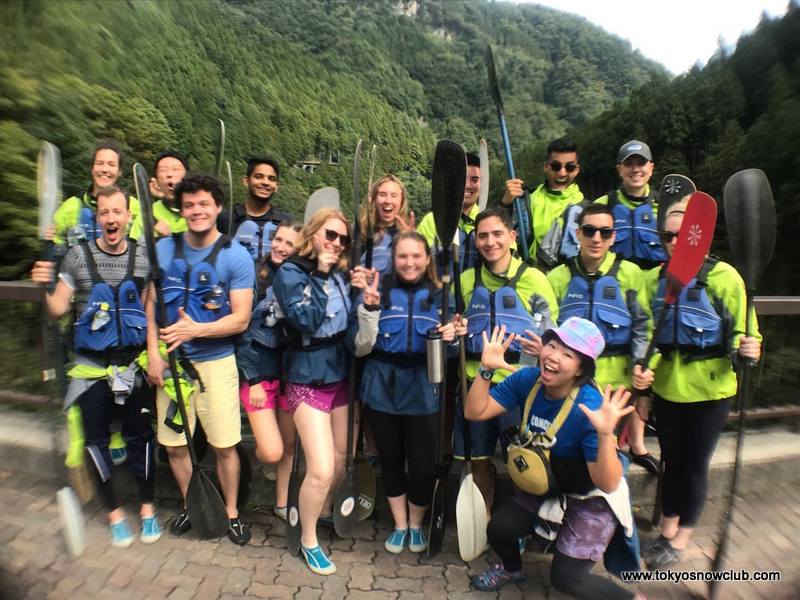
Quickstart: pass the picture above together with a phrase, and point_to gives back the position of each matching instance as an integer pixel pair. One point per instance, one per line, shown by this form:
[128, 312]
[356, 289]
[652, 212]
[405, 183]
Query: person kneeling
[561, 398]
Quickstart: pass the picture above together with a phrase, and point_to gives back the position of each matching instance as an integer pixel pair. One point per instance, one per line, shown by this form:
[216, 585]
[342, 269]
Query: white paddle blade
[327, 197]
[483, 154]
[48, 185]
[72, 522]
[471, 520]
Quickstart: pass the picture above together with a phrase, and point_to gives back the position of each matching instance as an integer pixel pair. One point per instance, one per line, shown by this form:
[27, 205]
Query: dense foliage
[291, 79]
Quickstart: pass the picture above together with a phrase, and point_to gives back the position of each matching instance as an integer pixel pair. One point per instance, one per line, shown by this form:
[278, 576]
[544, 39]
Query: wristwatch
[487, 374]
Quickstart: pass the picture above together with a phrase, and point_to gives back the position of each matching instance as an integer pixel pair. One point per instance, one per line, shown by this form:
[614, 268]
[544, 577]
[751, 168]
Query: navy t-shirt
[577, 437]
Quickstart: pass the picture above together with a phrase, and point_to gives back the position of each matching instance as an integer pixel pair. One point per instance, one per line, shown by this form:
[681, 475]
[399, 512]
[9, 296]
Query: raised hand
[406, 225]
[614, 407]
[372, 296]
[532, 344]
[494, 350]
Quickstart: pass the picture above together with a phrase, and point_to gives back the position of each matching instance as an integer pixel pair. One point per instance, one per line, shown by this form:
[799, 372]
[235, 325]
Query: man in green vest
[549, 203]
[169, 169]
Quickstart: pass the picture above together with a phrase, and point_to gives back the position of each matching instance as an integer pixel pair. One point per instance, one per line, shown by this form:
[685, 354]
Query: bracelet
[486, 374]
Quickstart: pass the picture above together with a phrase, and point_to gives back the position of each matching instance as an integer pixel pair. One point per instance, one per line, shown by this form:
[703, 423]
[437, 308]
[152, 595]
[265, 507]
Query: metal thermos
[434, 346]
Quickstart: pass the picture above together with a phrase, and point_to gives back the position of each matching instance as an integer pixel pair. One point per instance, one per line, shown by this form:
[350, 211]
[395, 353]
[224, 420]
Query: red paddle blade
[693, 243]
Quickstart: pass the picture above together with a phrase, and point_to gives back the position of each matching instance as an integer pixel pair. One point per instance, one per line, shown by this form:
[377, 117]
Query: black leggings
[407, 439]
[568, 575]
[688, 433]
[98, 409]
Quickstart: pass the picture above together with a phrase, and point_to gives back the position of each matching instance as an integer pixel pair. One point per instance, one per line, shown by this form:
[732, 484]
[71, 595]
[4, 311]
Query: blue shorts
[484, 435]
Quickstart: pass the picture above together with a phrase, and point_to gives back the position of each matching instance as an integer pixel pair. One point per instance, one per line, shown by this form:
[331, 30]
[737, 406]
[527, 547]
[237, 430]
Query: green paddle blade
[750, 219]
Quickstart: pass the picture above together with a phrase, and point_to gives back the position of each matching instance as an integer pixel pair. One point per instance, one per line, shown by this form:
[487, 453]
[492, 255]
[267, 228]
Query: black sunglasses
[556, 166]
[331, 236]
[667, 236]
[590, 230]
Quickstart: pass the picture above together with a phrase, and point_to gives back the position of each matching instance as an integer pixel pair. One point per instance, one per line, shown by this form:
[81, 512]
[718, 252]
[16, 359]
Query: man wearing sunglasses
[550, 203]
[600, 286]
[634, 206]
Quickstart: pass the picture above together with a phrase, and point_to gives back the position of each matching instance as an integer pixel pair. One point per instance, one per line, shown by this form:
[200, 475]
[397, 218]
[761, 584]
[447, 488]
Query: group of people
[266, 314]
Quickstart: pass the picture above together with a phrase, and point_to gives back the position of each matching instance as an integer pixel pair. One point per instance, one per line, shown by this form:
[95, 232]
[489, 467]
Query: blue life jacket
[382, 254]
[599, 300]
[502, 307]
[256, 237]
[637, 236]
[86, 228]
[266, 322]
[406, 316]
[203, 295]
[125, 325]
[692, 325]
[337, 312]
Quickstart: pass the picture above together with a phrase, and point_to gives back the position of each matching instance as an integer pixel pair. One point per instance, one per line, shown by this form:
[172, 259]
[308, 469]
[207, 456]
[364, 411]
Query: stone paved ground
[33, 562]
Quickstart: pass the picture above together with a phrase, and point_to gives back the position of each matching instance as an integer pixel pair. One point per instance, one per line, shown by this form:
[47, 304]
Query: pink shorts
[324, 397]
[272, 391]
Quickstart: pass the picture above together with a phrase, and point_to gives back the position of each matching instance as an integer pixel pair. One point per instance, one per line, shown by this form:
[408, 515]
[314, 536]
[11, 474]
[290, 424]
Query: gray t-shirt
[111, 267]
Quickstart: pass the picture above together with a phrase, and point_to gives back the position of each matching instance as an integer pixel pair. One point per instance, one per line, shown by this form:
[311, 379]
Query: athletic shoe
[181, 524]
[417, 543]
[239, 533]
[121, 536]
[495, 578]
[317, 561]
[119, 456]
[151, 530]
[647, 461]
[653, 546]
[396, 541]
[280, 512]
[663, 558]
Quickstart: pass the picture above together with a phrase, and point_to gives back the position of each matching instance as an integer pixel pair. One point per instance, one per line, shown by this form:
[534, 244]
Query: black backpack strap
[478, 279]
[613, 198]
[131, 259]
[612, 272]
[223, 241]
[512, 283]
[572, 264]
[702, 275]
[177, 239]
[90, 262]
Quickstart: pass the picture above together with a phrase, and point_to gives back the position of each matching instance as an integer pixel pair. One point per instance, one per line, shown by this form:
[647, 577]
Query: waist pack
[529, 452]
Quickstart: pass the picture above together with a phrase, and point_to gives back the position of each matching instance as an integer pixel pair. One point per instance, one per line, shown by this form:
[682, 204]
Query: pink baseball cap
[579, 334]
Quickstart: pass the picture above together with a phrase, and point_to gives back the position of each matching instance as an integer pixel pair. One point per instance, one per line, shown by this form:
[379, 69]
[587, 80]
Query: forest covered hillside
[299, 80]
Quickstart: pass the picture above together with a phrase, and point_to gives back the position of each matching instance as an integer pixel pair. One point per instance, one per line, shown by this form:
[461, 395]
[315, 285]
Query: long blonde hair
[372, 206]
[314, 225]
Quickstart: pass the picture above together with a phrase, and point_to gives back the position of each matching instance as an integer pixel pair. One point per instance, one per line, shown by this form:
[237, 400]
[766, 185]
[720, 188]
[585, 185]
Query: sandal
[647, 461]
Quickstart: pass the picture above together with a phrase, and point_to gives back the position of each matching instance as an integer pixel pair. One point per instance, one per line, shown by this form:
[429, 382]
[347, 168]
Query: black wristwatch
[487, 374]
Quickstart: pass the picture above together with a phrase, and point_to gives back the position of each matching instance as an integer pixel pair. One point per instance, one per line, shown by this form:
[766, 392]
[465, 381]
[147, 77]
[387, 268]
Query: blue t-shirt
[234, 267]
[577, 437]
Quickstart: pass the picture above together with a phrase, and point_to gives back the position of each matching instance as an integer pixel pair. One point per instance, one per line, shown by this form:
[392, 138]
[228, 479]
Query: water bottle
[538, 328]
[434, 346]
[101, 317]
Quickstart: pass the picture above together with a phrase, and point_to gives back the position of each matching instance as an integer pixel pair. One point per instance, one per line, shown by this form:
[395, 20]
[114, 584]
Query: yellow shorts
[217, 407]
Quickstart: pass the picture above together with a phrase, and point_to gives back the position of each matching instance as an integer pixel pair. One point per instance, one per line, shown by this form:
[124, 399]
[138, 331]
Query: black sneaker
[239, 533]
[181, 524]
[647, 461]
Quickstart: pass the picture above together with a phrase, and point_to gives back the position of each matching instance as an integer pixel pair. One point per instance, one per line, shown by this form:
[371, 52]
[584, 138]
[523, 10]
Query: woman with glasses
[401, 406]
[600, 286]
[701, 342]
[313, 293]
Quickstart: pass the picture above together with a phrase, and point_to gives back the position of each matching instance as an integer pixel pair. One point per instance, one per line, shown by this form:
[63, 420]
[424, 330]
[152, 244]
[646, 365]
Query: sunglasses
[667, 236]
[557, 166]
[331, 236]
[590, 230]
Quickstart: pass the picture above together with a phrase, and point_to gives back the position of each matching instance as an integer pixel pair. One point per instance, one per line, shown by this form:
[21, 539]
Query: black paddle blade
[206, 507]
[750, 219]
[447, 188]
[673, 188]
[436, 519]
[293, 530]
[344, 504]
[494, 88]
[365, 486]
